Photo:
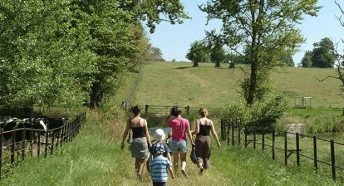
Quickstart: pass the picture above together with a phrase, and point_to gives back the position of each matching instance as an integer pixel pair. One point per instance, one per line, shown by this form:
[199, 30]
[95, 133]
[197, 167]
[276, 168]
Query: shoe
[201, 170]
[184, 173]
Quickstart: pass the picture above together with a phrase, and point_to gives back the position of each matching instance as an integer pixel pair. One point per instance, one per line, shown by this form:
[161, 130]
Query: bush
[262, 114]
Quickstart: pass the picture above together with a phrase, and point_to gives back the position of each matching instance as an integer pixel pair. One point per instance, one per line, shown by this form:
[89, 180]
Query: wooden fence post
[254, 139]
[245, 134]
[222, 130]
[298, 149]
[23, 143]
[13, 133]
[46, 144]
[315, 152]
[39, 143]
[273, 145]
[1, 137]
[285, 148]
[333, 161]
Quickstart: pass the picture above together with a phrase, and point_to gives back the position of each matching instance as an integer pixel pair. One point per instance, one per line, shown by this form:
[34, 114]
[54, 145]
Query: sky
[174, 40]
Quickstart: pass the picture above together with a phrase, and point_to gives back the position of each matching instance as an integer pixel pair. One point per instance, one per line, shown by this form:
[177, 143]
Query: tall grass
[94, 158]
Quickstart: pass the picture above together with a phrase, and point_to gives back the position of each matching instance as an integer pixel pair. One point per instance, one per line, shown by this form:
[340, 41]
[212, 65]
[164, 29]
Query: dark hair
[136, 110]
[175, 111]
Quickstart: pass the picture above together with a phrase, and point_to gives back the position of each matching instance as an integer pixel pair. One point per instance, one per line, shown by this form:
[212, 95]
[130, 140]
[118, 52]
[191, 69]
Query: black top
[204, 130]
[138, 132]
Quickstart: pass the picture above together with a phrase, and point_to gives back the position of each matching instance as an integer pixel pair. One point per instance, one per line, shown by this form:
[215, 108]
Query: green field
[179, 83]
[94, 157]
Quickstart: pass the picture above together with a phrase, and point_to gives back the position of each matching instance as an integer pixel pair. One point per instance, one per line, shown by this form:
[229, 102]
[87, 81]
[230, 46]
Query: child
[159, 136]
[160, 165]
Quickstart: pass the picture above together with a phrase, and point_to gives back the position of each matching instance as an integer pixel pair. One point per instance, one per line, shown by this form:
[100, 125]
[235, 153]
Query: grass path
[94, 158]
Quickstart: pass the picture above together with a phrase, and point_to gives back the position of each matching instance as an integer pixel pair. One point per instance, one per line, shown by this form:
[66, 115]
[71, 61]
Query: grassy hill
[165, 83]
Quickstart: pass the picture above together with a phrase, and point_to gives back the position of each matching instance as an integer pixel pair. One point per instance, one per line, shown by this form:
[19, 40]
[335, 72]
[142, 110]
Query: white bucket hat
[159, 135]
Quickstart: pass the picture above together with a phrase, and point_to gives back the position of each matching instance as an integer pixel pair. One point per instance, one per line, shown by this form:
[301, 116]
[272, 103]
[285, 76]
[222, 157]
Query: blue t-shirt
[159, 166]
[166, 148]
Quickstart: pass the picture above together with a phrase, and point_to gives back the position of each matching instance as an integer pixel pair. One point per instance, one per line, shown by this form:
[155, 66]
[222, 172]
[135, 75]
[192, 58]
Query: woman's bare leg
[175, 160]
[183, 160]
[142, 163]
[137, 165]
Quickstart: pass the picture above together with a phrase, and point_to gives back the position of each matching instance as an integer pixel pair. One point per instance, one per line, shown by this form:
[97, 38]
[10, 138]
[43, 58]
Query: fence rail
[35, 142]
[303, 147]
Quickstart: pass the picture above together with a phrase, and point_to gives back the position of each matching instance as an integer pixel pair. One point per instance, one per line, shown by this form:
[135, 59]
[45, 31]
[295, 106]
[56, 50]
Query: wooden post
[333, 161]
[39, 143]
[254, 139]
[46, 144]
[298, 149]
[273, 145]
[1, 137]
[315, 152]
[13, 133]
[285, 148]
[23, 143]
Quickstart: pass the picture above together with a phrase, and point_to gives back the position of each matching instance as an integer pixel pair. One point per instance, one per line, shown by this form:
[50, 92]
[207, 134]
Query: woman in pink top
[180, 129]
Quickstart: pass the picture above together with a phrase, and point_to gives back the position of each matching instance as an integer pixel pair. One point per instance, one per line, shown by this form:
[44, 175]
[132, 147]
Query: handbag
[193, 156]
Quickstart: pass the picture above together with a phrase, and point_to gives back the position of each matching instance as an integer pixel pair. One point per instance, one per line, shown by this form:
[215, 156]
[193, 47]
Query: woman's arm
[125, 134]
[147, 134]
[215, 134]
[196, 131]
[190, 135]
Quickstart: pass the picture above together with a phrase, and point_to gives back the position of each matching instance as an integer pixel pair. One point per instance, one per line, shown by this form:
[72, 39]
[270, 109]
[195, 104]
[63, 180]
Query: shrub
[262, 115]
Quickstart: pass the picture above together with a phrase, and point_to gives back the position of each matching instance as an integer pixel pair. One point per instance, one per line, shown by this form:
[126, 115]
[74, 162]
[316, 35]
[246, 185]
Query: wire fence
[19, 143]
[293, 148]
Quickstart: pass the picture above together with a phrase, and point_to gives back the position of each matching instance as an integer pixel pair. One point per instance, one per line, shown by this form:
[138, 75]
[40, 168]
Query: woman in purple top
[180, 129]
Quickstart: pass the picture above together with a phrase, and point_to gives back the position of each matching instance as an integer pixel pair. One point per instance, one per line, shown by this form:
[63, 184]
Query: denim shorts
[178, 146]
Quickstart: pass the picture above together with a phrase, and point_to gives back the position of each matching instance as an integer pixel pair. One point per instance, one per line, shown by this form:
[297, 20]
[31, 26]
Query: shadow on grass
[183, 67]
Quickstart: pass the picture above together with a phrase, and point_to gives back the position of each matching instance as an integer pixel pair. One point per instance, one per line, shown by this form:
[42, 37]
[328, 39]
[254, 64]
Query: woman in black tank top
[202, 148]
[140, 140]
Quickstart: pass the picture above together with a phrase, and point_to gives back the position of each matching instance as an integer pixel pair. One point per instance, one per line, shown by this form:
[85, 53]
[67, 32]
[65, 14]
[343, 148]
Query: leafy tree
[265, 28]
[287, 59]
[215, 44]
[41, 62]
[65, 51]
[198, 53]
[306, 61]
[323, 54]
[115, 32]
[217, 56]
[156, 51]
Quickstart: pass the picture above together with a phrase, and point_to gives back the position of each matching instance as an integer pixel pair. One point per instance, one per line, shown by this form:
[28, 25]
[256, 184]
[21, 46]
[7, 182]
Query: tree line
[262, 33]
[74, 51]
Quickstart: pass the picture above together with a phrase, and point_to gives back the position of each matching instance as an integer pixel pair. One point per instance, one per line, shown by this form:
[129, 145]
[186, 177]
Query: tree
[115, 31]
[323, 54]
[287, 59]
[306, 61]
[41, 61]
[265, 27]
[72, 50]
[217, 56]
[198, 53]
[214, 43]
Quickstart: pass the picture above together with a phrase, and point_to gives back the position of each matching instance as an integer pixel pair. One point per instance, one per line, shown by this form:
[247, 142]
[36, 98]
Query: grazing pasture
[165, 83]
